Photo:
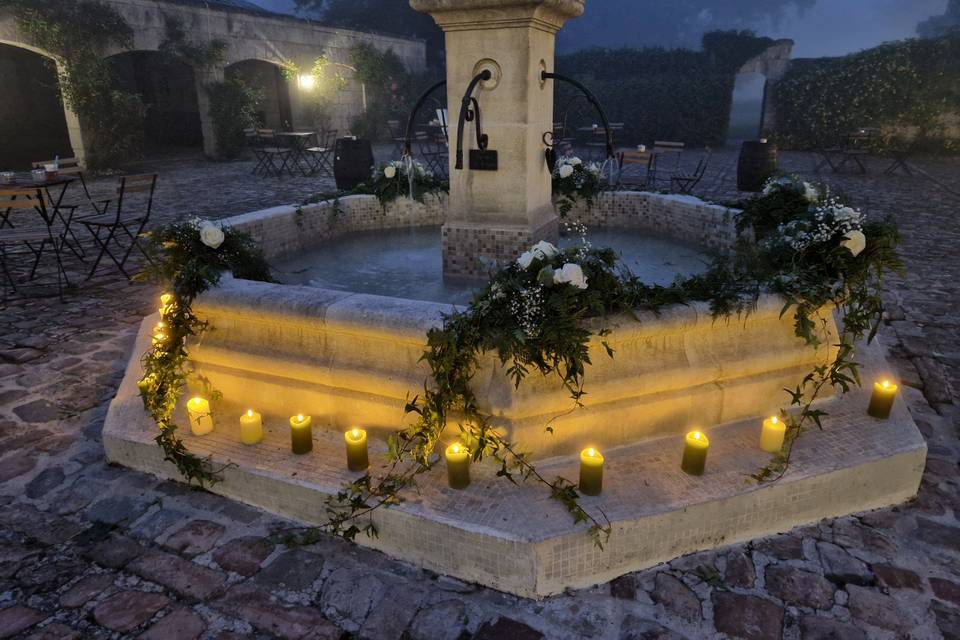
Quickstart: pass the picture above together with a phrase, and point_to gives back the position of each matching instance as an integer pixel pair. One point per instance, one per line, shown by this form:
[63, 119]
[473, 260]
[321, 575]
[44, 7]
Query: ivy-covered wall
[909, 90]
[662, 94]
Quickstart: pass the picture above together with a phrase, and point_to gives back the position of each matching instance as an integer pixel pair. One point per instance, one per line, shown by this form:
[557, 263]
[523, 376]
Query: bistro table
[26, 181]
[298, 142]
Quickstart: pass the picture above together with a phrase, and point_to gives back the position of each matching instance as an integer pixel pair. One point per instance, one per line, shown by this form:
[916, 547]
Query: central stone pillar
[496, 215]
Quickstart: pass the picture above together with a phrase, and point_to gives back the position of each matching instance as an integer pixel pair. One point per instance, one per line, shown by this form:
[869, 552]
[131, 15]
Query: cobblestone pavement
[92, 551]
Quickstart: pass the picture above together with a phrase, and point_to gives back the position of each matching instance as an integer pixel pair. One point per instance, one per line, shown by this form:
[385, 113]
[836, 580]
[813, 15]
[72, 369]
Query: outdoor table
[298, 141]
[26, 181]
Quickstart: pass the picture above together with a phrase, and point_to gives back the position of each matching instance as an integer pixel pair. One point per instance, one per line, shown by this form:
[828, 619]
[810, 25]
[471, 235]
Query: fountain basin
[352, 359]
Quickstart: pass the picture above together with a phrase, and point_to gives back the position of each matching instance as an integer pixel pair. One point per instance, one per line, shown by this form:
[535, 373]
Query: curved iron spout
[546, 75]
[467, 114]
[408, 134]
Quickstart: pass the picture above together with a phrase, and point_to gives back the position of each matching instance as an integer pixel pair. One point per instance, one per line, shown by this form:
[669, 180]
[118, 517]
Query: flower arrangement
[573, 181]
[404, 178]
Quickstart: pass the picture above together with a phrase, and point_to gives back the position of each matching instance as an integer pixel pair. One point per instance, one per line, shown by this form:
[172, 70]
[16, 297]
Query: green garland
[798, 242]
[190, 257]
[806, 246]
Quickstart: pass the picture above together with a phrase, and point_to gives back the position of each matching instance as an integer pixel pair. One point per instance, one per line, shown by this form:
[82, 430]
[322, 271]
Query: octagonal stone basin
[353, 359]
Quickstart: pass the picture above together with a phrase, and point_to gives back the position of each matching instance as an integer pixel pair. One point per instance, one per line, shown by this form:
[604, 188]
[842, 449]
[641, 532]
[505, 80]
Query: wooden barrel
[352, 163]
[758, 163]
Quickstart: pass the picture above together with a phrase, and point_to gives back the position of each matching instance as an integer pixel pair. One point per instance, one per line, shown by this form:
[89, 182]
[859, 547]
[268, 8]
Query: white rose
[390, 172]
[545, 250]
[571, 274]
[855, 241]
[525, 259]
[211, 235]
[810, 192]
[566, 171]
[576, 161]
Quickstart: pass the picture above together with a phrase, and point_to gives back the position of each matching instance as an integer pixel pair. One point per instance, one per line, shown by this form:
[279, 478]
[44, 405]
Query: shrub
[233, 108]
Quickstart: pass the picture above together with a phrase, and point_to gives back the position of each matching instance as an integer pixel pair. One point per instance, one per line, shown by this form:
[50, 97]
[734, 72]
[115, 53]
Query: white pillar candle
[771, 438]
[251, 427]
[201, 420]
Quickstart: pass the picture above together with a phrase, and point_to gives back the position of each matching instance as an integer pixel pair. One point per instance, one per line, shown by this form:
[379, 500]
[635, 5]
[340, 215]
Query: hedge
[663, 94]
[909, 90]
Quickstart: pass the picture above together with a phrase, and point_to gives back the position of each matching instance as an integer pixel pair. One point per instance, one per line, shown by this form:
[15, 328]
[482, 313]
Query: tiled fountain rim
[286, 229]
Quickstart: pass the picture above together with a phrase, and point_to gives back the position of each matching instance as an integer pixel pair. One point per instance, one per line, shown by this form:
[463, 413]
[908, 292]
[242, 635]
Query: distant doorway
[32, 123]
[168, 89]
[746, 111]
[274, 110]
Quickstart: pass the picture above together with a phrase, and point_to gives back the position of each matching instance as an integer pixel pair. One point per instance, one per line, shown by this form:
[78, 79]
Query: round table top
[25, 180]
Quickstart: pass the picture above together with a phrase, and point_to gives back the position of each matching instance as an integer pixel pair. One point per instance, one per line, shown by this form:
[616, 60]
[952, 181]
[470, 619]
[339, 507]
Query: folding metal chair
[320, 158]
[660, 158]
[273, 153]
[686, 182]
[123, 227]
[633, 167]
[31, 236]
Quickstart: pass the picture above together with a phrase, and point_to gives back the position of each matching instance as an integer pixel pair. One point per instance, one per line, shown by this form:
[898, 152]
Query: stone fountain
[350, 359]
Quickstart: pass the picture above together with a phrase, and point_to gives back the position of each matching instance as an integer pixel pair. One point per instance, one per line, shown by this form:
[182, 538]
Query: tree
[384, 16]
[937, 26]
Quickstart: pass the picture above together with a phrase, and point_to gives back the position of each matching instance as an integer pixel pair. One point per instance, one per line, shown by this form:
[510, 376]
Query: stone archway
[168, 88]
[773, 65]
[36, 123]
[274, 111]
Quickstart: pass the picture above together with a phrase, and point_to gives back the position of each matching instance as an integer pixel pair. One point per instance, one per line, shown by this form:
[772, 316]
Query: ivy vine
[188, 266]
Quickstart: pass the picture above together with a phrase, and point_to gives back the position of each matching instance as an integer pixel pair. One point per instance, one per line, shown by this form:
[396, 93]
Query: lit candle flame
[774, 420]
[299, 417]
[249, 413]
[591, 452]
[885, 384]
[456, 448]
[356, 434]
[696, 435]
[197, 401]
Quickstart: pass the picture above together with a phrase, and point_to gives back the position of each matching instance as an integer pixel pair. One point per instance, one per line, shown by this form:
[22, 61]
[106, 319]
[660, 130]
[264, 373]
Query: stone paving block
[894, 577]
[349, 595]
[85, 590]
[940, 535]
[154, 524]
[55, 631]
[14, 466]
[115, 510]
[37, 411]
[946, 590]
[874, 608]
[295, 570]
[624, 587]
[127, 610]
[441, 621]
[636, 628]
[243, 555]
[676, 597]
[947, 620]
[842, 568]
[196, 537]
[816, 628]
[798, 587]
[747, 617]
[506, 628]
[115, 552]
[179, 624]
[18, 618]
[44, 482]
[186, 578]
[393, 615]
[249, 603]
[740, 571]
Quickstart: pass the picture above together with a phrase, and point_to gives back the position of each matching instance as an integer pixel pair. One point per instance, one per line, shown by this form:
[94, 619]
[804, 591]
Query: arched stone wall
[281, 40]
